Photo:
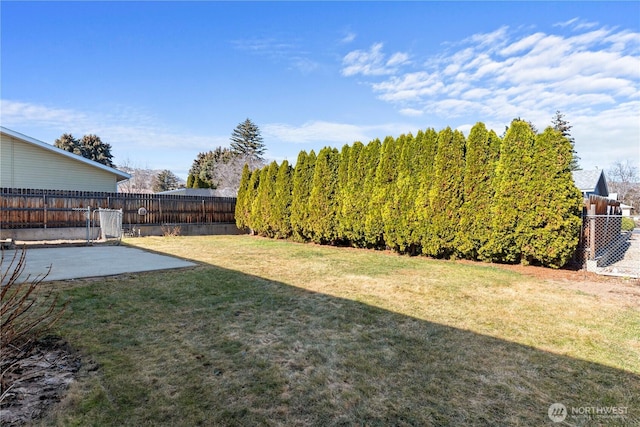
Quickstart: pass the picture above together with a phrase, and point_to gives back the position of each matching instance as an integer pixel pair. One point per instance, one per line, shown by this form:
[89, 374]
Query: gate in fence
[605, 248]
[609, 249]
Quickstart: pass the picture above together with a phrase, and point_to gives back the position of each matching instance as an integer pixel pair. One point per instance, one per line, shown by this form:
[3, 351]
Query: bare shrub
[169, 230]
[26, 315]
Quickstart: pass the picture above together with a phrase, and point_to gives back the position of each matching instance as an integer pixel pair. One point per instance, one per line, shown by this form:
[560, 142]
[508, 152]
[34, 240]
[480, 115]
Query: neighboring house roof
[202, 192]
[591, 182]
[121, 176]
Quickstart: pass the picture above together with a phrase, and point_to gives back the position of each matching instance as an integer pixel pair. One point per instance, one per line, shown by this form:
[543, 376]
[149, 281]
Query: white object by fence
[110, 223]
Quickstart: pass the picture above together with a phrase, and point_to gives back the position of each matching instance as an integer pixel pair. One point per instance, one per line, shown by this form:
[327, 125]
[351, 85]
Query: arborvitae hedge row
[437, 193]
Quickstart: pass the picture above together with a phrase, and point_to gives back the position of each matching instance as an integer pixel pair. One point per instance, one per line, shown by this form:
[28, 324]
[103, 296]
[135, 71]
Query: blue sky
[163, 81]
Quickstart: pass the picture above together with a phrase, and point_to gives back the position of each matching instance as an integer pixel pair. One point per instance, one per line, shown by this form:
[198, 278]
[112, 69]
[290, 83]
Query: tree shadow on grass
[212, 346]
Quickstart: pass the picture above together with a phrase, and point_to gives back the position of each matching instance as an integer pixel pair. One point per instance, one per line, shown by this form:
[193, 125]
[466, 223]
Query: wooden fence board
[28, 208]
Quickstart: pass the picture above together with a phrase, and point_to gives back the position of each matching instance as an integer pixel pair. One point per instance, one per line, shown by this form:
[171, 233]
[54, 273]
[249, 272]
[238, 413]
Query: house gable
[29, 163]
[591, 182]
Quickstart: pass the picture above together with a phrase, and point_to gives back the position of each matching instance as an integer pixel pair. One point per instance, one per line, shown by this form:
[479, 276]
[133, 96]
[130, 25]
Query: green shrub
[628, 224]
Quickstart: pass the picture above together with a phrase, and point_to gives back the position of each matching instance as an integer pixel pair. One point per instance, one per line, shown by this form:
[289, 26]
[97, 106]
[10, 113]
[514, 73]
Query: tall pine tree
[247, 141]
[562, 125]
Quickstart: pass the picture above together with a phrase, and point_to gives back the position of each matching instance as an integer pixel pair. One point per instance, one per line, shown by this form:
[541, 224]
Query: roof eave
[120, 175]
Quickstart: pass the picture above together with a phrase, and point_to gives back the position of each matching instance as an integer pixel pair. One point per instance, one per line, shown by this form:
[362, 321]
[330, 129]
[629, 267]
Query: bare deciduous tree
[623, 179]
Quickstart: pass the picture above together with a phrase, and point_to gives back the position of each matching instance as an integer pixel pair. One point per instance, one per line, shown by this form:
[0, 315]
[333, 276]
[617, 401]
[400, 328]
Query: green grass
[267, 332]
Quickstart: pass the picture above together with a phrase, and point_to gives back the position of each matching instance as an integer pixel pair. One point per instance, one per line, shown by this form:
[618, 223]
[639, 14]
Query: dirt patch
[36, 381]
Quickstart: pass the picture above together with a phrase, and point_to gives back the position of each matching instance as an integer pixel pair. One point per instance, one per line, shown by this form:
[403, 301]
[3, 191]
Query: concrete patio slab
[91, 261]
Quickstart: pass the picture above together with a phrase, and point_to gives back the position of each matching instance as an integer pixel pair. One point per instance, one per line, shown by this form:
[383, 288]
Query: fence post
[88, 219]
[44, 199]
[592, 232]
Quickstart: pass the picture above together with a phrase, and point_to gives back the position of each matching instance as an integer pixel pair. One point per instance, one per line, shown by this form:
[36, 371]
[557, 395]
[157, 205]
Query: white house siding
[28, 166]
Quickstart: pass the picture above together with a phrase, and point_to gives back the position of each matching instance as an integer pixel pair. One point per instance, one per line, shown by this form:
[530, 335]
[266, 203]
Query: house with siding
[26, 162]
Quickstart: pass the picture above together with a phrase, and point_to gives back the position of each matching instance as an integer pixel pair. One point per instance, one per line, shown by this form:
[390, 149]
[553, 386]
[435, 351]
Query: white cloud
[372, 62]
[278, 50]
[525, 43]
[124, 125]
[398, 58]
[590, 73]
[319, 133]
[576, 24]
[491, 39]
[19, 113]
[315, 131]
[134, 136]
[412, 112]
[411, 86]
[348, 38]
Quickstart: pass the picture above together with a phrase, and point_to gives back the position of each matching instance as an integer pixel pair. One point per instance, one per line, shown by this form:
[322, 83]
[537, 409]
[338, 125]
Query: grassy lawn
[268, 332]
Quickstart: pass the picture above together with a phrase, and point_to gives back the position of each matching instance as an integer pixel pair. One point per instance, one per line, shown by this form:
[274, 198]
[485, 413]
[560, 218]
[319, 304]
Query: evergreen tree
[210, 164]
[165, 181]
[322, 199]
[68, 143]
[342, 196]
[382, 188]
[250, 199]
[282, 201]
[393, 211]
[242, 212]
[196, 168]
[302, 180]
[201, 183]
[269, 200]
[350, 193]
[475, 216]
[511, 200]
[560, 124]
[427, 150]
[551, 224]
[90, 147]
[190, 181]
[96, 150]
[446, 194]
[412, 161]
[260, 206]
[247, 141]
[368, 163]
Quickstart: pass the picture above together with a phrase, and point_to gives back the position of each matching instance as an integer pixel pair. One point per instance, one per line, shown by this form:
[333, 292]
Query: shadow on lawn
[213, 346]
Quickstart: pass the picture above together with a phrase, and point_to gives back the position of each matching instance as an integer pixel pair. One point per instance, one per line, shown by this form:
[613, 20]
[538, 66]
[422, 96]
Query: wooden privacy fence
[28, 208]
